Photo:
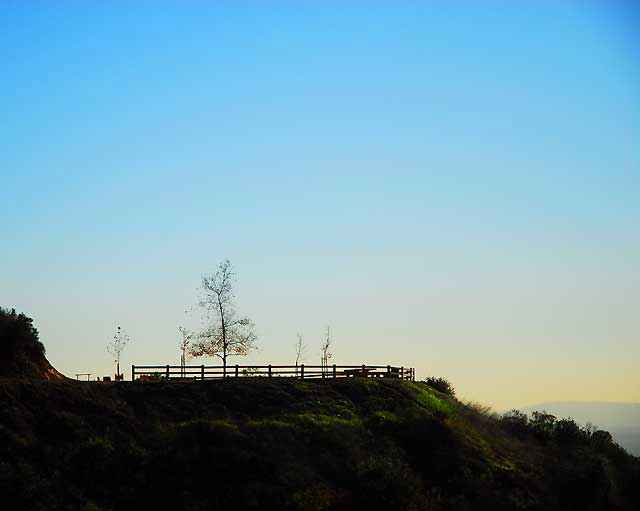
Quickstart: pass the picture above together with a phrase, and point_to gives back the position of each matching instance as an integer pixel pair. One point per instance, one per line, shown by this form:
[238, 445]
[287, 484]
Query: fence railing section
[302, 371]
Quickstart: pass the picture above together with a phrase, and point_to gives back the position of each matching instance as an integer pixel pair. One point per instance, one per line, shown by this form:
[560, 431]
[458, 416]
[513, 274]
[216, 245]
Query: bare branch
[116, 347]
[225, 333]
[300, 348]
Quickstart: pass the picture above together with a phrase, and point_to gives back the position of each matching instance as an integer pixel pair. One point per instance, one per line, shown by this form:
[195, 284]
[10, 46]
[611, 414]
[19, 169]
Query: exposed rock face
[21, 352]
[51, 373]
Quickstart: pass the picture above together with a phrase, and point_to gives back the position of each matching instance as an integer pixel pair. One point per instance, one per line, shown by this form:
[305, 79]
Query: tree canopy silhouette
[21, 352]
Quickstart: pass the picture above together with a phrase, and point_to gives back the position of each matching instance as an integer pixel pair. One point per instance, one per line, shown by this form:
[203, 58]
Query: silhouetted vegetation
[287, 444]
[604, 466]
[22, 355]
[441, 385]
[226, 333]
[115, 348]
[546, 428]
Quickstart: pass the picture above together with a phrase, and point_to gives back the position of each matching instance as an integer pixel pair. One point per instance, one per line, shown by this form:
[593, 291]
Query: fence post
[302, 371]
[167, 376]
[334, 371]
[133, 373]
[363, 371]
[388, 370]
[402, 373]
[269, 370]
[202, 371]
[236, 370]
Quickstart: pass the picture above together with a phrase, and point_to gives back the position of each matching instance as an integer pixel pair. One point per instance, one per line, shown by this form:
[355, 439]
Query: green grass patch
[432, 400]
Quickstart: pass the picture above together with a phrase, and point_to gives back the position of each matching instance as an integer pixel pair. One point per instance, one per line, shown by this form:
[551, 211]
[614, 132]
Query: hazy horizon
[453, 187]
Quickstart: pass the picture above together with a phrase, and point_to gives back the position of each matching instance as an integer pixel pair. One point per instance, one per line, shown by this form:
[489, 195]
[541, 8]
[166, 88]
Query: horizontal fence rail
[302, 371]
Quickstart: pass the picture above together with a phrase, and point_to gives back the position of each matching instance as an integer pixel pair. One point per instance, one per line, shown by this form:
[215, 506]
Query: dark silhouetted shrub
[601, 438]
[516, 422]
[20, 347]
[542, 424]
[566, 431]
[441, 385]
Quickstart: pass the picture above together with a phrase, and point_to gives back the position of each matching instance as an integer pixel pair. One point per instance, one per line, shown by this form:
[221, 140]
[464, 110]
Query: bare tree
[185, 345]
[116, 347]
[300, 350]
[326, 355]
[225, 333]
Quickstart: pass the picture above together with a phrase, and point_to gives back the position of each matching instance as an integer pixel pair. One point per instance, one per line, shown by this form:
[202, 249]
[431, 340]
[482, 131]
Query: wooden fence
[302, 371]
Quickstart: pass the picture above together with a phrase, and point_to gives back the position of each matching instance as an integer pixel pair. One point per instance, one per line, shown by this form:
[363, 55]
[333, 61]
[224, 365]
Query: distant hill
[622, 420]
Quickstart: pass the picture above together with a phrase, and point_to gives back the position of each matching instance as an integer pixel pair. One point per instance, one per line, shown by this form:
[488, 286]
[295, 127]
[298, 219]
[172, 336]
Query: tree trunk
[224, 338]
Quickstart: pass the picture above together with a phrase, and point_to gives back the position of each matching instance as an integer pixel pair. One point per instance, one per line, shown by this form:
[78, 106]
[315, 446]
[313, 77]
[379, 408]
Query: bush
[543, 424]
[482, 410]
[20, 347]
[516, 422]
[568, 432]
[152, 377]
[441, 385]
[546, 428]
[601, 438]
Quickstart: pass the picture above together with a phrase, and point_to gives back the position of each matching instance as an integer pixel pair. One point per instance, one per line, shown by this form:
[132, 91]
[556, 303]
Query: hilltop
[260, 443]
[284, 443]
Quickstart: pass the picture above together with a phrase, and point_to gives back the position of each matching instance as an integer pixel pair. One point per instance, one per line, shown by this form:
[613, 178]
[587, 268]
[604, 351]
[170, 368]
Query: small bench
[361, 372]
[392, 372]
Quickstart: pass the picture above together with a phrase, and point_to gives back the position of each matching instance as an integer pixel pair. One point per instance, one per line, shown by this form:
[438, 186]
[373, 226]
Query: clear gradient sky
[449, 185]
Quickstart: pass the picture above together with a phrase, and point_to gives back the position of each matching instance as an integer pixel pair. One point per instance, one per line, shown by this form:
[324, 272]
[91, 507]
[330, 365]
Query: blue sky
[453, 185]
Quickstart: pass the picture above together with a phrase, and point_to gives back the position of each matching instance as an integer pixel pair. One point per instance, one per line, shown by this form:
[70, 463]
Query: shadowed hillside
[21, 352]
[283, 443]
[262, 443]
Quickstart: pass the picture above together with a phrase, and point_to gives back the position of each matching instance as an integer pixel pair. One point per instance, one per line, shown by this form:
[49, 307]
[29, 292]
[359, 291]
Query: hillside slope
[261, 443]
[21, 352]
